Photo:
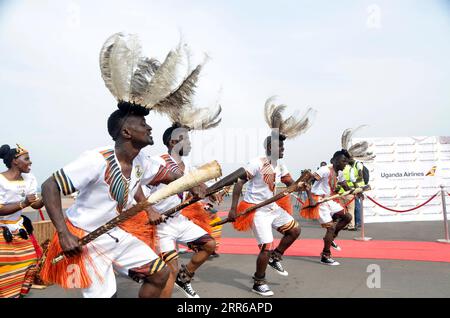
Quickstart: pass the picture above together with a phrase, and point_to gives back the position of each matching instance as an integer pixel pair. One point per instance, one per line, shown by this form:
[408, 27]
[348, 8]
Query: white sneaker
[335, 246]
[276, 266]
[262, 290]
[328, 261]
[187, 289]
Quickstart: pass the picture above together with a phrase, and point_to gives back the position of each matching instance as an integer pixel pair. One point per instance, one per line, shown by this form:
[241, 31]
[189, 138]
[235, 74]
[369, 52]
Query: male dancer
[180, 228]
[331, 214]
[262, 176]
[108, 179]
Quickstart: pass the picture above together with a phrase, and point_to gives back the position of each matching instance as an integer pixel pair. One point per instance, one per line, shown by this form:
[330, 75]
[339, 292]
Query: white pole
[362, 238]
[444, 211]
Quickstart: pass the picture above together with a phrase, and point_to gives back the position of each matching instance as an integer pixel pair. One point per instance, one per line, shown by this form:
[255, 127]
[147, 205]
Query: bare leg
[154, 284]
[168, 289]
[342, 220]
[201, 256]
[262, 260]
[289, 237]
[327, 239]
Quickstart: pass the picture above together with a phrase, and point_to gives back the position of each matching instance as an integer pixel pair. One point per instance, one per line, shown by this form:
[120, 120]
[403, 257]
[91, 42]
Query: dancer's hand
[30, 198]
[69, 244]
[232, 215]
[216, 198]
[199, 191]
[154, 218]
[301, 186]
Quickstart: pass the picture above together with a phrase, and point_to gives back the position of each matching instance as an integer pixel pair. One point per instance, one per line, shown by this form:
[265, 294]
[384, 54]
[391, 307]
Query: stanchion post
[444, 212]
[362, 238]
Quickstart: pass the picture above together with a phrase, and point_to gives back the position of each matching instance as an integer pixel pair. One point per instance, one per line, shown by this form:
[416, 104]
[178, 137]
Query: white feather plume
[118, 60]
[119, 57]
[358, 151]
[290, 127]
[165, 78]
[133, 78]
[146, 68]
[347, 136]
[180, 98]
[200, 118]
[178, 106]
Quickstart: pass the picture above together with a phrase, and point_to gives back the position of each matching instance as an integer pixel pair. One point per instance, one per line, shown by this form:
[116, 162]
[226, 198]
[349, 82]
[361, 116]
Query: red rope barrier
[402, 211]
[303, 203]
[41, 214]
[348, 203]
[298, 199]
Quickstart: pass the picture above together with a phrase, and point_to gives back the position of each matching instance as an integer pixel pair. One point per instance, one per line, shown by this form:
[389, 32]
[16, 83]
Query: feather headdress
[290, 127]
[135, 80]
[358, 151]
[178, 106]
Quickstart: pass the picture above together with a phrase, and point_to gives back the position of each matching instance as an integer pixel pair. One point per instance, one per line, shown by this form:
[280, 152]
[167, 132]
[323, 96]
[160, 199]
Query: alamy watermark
[373, 20]
[374, 278]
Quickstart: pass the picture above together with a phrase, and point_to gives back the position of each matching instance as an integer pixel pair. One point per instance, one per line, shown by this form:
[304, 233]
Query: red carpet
[399, 250]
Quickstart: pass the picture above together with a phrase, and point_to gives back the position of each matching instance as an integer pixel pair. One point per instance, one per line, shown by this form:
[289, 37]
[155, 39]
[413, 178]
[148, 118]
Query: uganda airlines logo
[432, 172]
[409, 174]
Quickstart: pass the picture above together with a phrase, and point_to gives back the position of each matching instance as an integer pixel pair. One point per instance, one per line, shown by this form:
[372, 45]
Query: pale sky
[381, 63]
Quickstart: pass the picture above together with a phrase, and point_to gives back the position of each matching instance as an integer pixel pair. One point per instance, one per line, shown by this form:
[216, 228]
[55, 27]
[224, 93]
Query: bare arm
[52, 201]
[287, 180]
[11, 208]
[38, 204]
[237, 191]
[153, 216]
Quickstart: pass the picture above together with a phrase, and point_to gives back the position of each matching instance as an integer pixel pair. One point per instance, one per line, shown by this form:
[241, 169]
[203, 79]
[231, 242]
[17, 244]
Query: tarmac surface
[229, 275]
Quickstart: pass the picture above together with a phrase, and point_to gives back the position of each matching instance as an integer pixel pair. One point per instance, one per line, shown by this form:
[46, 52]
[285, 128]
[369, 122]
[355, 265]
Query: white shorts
[266, 218]
[327, 210]
[109, 256]
[177, 229]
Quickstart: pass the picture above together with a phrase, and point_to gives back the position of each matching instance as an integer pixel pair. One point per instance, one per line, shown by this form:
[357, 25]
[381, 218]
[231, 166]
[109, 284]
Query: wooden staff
[216, 187]
[306, 175]
[37, 282]
[206, 172]
[337, 196]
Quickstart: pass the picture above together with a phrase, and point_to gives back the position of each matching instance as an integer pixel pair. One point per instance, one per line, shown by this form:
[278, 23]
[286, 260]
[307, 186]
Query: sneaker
[276, 265]
[262, 290]
[328, 261]
[186, 288]
[214, 254]
[335, 246]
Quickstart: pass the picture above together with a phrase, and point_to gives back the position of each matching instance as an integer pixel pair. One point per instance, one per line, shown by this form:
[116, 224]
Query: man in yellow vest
[348, 201]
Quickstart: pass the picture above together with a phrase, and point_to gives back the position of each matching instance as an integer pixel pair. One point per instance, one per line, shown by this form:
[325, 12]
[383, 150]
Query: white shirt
[326, 176]
[172, 201]
[263, 178]
[103, 190]
[13, 192]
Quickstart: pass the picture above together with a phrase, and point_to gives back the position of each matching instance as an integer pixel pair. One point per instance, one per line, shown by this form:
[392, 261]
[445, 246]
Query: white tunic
[103, 190]
[172, 201]
[262, 179]
[14, 192]
[325, 179]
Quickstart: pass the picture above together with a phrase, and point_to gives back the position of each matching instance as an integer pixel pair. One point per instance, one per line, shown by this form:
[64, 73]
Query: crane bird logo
[432, 172]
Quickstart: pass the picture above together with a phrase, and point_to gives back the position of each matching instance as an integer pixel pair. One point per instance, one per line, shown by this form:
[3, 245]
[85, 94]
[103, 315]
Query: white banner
[406, 172]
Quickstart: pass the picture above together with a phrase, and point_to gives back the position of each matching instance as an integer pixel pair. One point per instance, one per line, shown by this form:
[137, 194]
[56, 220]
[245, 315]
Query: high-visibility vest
[356, 172]
[346, 173]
